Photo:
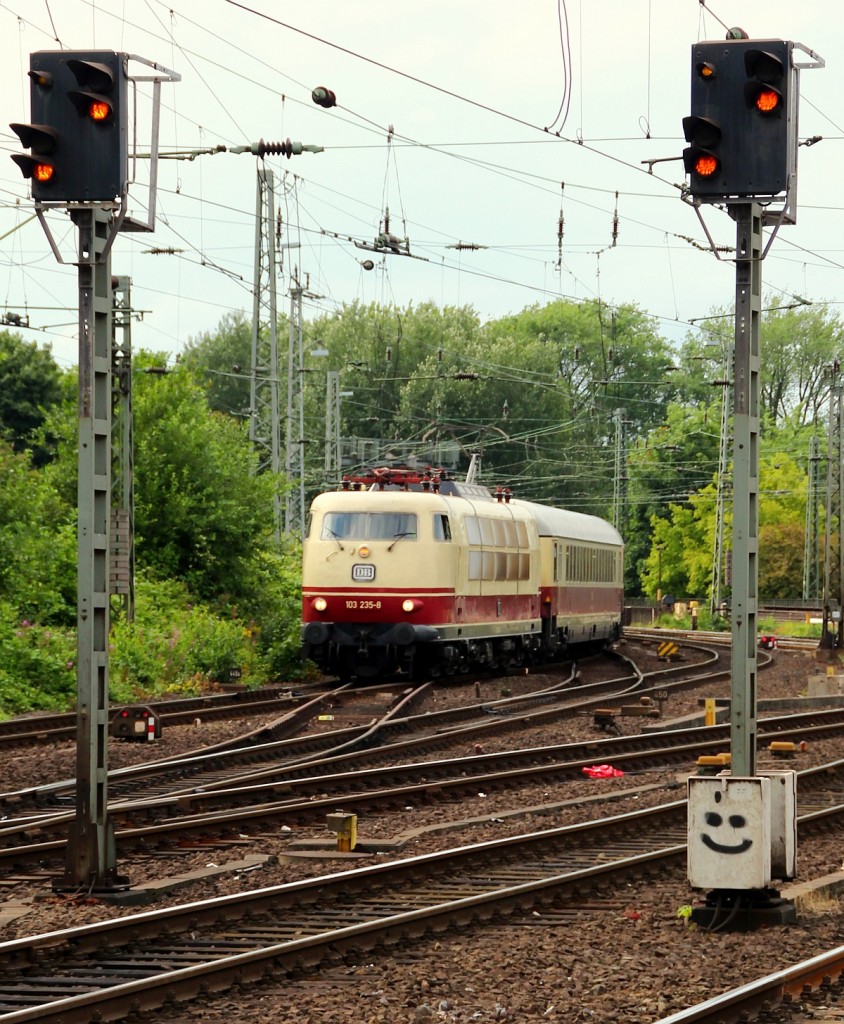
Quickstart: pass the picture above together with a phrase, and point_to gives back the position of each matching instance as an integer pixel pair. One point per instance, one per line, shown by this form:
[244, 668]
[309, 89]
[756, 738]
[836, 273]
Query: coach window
[473, 530]
[522, 535]
[487, 533]
[442, 528]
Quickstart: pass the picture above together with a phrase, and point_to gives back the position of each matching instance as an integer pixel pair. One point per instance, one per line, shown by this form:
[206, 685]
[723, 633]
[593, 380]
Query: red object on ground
[602, 771]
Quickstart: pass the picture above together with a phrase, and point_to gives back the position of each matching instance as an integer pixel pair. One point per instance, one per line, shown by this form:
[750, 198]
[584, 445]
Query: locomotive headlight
[364, 551]
[408, 604]
[320, 604]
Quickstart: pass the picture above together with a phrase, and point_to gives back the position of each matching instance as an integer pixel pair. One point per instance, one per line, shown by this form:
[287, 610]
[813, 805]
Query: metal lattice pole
[811, 549]
[264, 421]
[620, 478]
[748, 217]
[294, 446]
[123, 490]
[333, 468]
[717, 592]
[90, 862]
[833, 548]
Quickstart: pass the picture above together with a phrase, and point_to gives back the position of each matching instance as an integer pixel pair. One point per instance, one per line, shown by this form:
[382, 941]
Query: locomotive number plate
[361, 573]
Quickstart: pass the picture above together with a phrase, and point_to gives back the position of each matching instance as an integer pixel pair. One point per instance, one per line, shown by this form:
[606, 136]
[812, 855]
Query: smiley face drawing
[715, 820]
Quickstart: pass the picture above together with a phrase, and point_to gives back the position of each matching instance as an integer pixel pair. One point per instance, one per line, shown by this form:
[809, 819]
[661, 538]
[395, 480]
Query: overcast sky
[468, 87]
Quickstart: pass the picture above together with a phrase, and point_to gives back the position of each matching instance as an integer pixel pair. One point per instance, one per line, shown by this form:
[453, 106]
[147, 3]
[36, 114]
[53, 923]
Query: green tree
[223, 359]
[201, 512]
[30, 385]
[798, 344]
[37, 543]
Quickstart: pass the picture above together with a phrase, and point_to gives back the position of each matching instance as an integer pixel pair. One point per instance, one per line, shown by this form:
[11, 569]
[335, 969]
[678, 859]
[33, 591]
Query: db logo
[362, 573]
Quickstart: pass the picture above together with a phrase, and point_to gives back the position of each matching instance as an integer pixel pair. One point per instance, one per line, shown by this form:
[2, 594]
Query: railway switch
[137, 722]
[346, 827]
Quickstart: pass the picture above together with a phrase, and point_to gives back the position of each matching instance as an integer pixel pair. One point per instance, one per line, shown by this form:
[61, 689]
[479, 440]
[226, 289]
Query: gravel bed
[634, 960]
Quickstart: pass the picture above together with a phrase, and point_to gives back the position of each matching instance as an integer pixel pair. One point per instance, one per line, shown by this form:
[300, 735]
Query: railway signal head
[78, 138]
[742, 131]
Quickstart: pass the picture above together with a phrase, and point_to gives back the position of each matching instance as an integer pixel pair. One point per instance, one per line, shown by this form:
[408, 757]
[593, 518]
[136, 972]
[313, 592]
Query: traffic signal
[78, 138]
[742, 132]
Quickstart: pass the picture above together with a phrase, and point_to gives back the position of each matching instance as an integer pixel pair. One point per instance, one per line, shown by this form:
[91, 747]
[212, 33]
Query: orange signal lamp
[767, 101]
[99, 111]
[706, 165]
[43, 173]
[705, 70]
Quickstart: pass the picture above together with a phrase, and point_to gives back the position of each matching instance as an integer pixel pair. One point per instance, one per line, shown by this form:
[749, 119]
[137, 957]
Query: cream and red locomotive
[429, 575]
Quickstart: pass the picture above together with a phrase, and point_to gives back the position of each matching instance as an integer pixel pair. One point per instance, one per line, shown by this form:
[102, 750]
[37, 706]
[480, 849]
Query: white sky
[473, 175]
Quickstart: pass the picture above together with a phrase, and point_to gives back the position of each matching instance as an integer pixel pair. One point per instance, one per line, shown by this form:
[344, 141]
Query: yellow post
[709, 711]
[346, 828]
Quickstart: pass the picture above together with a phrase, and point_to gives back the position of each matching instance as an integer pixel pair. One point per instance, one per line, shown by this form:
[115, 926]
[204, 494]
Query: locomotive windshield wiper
[336, 537]
[398, 536]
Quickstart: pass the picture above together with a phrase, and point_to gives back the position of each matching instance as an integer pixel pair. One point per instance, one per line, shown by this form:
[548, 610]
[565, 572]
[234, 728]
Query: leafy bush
[275, 608]
[37, 665]
[176, 645]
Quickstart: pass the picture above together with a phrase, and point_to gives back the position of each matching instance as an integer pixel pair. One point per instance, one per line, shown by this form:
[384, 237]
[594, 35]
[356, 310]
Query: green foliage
[275, 609]
[201, 513]
[37, 543]
[176, 645]
[30, 384]
[37, 665]
[223, 359]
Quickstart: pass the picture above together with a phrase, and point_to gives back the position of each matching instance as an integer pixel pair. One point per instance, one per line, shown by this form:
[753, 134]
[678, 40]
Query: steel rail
[496, 716]
[300, 799]
[790, 986]
[238, 960]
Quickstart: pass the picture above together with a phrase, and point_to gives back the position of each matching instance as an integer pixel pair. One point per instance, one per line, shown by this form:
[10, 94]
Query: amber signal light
[767, 101]
[706, 165]
[99, 111]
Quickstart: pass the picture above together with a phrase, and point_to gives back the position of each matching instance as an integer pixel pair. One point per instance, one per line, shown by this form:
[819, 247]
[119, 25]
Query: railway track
[799, 993]
[786, 643]
[57, 727]
[220, 813]
[137, 963]
[390, 729]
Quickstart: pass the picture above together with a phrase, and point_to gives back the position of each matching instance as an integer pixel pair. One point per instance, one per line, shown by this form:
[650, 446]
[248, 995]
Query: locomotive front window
[387, 525]
[368, 525]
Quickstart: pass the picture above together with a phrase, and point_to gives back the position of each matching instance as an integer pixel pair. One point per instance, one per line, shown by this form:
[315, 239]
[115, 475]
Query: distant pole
[264, 421]
[716, 598]
[123, 491]
[811, 547]
[748, 217]
[833, 546]
[332, 427]
[619, 504]
[294, 444]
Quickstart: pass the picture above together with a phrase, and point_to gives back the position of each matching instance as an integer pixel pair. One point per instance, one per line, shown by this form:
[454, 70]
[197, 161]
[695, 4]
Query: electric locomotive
[421, 573]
